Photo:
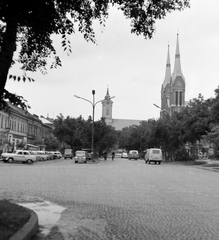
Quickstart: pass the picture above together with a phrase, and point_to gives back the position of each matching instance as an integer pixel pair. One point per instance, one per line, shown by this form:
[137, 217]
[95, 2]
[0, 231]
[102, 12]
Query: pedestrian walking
[113, 156]
[105, 156]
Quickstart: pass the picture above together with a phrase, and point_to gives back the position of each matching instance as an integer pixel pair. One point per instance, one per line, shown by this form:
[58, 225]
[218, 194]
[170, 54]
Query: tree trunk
[7, 50]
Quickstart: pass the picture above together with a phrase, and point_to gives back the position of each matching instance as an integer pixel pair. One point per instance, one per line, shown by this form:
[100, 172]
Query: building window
[180, 98]
[2, 121]
[107, 112]
[176, 98]
[6, 122]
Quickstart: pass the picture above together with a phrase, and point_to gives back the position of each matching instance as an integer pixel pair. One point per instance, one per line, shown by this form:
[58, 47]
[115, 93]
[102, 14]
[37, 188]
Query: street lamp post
[92, 138]
[93, 106]
[162, 110]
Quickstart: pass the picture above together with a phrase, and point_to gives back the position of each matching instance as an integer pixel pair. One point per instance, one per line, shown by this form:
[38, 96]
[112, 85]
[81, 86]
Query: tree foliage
[196, 119]
[215, 106]
[51, 143]
[28, 26]
[172, 133]
[77, 133]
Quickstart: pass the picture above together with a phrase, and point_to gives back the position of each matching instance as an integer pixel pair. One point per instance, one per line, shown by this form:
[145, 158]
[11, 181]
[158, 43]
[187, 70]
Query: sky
[131, 67]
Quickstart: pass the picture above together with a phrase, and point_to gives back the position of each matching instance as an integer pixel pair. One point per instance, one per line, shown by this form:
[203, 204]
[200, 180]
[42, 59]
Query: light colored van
[133, 154]
[153, 155]
[68, 153]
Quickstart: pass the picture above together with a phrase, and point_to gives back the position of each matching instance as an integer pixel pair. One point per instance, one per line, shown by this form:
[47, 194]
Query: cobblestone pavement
[120, 199]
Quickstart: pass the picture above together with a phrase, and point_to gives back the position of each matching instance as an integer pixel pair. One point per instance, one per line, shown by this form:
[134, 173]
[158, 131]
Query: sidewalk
[207, 164]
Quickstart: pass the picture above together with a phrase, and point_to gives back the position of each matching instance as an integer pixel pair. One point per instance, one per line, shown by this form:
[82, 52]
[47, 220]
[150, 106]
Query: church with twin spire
[172, 94]
[174, 86]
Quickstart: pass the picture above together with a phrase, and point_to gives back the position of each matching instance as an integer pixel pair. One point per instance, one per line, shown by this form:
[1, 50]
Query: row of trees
[197, 122]
[76, 133]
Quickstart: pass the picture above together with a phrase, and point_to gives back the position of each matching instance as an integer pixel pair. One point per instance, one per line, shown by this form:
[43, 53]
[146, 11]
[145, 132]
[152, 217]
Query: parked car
[43, 155]
[153, 155]
[19, 155]
[50, 155]
[124, 155]
[37, 155]
[80, 157]
[133, 154]
[68, 153]
[54, 155]
[58, 154]
[88, 153]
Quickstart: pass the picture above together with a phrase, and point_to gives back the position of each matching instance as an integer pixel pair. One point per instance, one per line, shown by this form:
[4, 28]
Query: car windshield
[134, 152]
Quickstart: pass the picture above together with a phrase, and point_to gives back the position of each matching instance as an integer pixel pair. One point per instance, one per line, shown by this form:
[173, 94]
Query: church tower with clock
[173, 87]
[107, 105]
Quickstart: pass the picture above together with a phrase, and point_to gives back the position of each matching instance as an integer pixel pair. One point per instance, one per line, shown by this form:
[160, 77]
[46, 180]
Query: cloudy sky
[133, 68]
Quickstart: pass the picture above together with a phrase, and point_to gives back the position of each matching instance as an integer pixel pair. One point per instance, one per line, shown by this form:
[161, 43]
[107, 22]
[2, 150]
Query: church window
[176, 98]
[180, 98]
[107, 111]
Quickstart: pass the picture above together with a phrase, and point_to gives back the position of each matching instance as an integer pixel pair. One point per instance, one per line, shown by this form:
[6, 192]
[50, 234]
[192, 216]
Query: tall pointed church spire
[177, 64]
[168, 69]
[107, 93]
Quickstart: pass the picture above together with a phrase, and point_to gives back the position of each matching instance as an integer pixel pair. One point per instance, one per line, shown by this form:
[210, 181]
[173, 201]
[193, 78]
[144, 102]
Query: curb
[29, 229]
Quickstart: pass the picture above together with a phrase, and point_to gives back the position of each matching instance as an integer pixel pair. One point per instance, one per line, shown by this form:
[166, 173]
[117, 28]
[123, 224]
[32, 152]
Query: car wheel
[29, 161]
[10, 160]
[149, 162]
[85, 162]
[23, 162]
[159, 162]
[145, 162]
[76, 162]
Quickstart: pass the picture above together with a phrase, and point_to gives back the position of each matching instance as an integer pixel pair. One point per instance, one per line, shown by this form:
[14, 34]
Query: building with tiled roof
[19, 126]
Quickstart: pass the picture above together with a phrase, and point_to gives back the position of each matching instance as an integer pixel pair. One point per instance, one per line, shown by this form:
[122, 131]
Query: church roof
[177, 65]
[167, 78]
[119, 124]
[107, 94]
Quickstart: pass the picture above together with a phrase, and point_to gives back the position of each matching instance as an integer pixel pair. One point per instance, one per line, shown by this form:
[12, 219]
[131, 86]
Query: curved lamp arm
[84, 99]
